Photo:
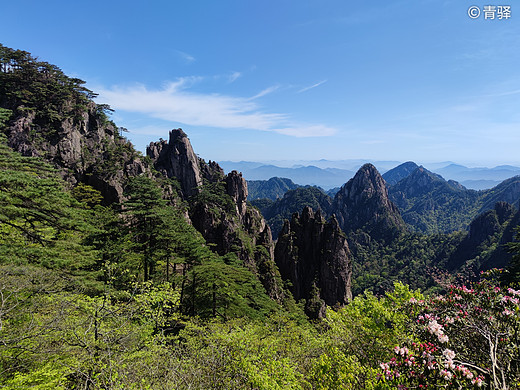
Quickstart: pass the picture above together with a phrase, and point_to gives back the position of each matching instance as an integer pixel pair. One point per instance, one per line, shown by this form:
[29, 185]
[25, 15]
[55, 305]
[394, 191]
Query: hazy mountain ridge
[328, 173]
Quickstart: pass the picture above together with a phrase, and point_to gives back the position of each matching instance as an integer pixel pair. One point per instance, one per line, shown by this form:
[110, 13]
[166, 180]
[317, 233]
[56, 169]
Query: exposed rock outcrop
[314, 256]
[292, 202]
[218, 208]
[236, 187]
[176, 158]
[363, 203]
[84, 147]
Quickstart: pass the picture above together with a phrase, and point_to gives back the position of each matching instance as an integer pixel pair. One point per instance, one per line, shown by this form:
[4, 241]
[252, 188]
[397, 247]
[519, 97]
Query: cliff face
[85, 147]
[220, 213]
[176, 158]
[218, 207]
[363, 203]
[314, 256]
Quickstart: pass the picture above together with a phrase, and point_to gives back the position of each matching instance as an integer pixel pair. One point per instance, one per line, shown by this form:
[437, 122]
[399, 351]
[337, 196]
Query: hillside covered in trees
[122, 270]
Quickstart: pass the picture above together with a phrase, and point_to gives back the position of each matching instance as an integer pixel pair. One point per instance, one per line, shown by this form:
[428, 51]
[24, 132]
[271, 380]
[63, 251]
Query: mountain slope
[430, 204]
[363, 203]
[53, 116]
[273, 189]
[395, 175]
[144, 233]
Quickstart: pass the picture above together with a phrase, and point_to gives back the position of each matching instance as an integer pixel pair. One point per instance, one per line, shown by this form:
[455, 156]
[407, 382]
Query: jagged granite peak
[314, 256]
[211, 171]
[363, 203]
[395, 175]
[292, 201]
[177, 159]
[236, 187]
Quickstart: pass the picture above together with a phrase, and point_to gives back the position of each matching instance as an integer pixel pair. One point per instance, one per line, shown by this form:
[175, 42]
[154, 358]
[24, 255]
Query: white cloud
[188, 58]
[266, 91]
[234, 76]
[312, 86]
[176, 103]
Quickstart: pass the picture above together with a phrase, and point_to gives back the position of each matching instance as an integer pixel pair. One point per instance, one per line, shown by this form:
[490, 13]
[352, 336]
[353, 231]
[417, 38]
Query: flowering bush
[469, 338]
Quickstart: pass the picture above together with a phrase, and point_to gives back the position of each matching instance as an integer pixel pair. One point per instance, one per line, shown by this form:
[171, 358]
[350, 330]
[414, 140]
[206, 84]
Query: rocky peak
[314, 256]
[363, 203]
[176, 158]
[211, 171]
[236, 187]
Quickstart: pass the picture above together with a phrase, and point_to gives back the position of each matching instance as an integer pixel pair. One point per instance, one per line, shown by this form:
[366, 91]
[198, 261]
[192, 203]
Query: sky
[271, 80]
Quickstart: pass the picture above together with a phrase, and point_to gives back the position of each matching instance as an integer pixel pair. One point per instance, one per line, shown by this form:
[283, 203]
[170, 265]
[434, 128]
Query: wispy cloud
[187, 58]
[312, 86]
[234, 76]
[264, 92]
[174, 102]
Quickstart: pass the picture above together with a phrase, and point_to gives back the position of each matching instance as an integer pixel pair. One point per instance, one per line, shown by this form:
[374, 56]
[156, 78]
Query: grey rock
[314, 256]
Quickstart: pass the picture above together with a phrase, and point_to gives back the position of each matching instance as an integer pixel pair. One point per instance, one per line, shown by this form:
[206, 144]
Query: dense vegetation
[273, 189]
[129, 295]
[429, 204]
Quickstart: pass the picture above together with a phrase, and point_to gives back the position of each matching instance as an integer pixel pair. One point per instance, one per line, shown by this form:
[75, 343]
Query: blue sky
[280, 80]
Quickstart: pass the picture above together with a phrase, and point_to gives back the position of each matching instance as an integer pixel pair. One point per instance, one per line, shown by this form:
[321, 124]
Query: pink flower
[448, 354]
[478, 381]
[449, 364]
[514, 292]
[447, 375]
[434, 327]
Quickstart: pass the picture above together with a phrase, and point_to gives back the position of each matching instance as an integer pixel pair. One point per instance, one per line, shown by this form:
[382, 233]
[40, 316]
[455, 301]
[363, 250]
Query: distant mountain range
[426, 201]
[328, 174]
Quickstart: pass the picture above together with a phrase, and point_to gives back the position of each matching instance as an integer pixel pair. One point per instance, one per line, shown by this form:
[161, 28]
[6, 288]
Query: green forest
[108, 281]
